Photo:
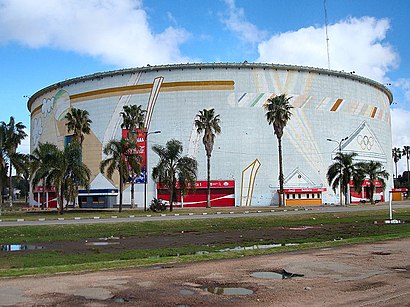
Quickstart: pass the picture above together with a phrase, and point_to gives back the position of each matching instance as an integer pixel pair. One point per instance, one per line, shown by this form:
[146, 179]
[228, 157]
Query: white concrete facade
[327, 104]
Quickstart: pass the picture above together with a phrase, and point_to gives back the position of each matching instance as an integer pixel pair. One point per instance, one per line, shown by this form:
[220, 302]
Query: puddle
[381, 253]
[275, 275]
[258, 246]
[228, 291]
[119, 299]
[267, 275]
[186, 292]
[400, 270]
[101, 243]
[18, 247]
[233, 249]
[109, 238]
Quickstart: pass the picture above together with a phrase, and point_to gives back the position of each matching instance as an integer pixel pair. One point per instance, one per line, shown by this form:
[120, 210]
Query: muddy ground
[240, 237]
[360, 275]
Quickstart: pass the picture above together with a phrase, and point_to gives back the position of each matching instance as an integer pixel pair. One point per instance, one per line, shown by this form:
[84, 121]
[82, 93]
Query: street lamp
[146, 165]
[340, 179]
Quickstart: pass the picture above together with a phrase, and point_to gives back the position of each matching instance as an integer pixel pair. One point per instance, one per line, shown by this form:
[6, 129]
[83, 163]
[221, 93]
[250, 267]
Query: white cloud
[400, 127]
[237, 23]
[115, 31]
[404, 85]
[355, 44]
[400, 133]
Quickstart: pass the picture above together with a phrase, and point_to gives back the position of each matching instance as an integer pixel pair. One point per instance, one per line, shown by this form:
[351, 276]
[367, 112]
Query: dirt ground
[360, 275]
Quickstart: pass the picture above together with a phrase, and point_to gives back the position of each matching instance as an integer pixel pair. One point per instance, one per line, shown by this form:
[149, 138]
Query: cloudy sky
[45, 41]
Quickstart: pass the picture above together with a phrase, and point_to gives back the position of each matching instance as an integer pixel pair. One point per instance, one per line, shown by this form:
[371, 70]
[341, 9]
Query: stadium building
[329, 106]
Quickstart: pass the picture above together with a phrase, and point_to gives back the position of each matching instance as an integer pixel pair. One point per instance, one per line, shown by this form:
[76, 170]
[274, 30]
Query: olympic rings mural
[365, 142]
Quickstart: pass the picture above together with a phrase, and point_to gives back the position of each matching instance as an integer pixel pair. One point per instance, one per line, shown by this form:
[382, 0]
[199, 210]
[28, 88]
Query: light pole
[146, 165]
[340, 179]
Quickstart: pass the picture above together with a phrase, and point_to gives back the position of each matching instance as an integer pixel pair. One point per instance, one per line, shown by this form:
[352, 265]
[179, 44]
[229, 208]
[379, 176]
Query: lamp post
[146, 165]
[340, 179]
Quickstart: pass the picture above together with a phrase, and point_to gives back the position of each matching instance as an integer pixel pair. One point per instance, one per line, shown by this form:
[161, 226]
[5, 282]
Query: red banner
[222, 194]
[139, 138]
[366, 183]
[399, 190]
[203, 184]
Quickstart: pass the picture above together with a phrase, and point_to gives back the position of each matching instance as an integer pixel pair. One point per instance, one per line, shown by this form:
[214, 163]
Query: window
[68, 139]
[318, 195]
[287, 196]
[300, 196]
[313, 195]
[307, 195]
[294, 196]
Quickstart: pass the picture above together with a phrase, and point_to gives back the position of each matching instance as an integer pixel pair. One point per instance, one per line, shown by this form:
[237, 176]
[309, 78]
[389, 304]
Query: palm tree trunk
[396, 168]
[43, 194]
[371, 193]
[408, 175]
[171, 199]
[132, 190]
[280, 173]
[11, 194]
[208, 169]
[60, 198]
[120, 206]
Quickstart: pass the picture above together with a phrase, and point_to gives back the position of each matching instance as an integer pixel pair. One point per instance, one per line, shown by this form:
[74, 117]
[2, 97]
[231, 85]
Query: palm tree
[173, 167]
[406, 153]
[13, 135]
[396, 155]
[79, 122]
[62, 169]
[208, 122]
[132, 119]
[3, 162]
[342, 171]
[24, 171]
[278, 112]
[39, 164]
[119, 161]
[374, 171]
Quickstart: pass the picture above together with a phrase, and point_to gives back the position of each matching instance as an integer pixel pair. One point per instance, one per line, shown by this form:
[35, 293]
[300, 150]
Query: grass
[353, 227]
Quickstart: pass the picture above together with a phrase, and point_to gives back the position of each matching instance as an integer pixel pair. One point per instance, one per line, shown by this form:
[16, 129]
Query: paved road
[175, 216]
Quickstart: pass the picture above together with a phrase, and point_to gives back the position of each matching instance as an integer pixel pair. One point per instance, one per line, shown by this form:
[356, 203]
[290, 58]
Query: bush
[157, 205]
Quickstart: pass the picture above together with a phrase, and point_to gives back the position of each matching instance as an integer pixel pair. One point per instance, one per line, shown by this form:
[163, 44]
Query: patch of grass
[348, 228]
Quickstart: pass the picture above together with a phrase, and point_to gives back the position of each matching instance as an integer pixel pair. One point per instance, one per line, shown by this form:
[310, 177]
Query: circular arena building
[329, 106]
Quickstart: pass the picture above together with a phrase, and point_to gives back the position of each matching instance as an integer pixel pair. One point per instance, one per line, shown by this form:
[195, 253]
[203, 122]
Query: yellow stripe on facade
[36, 110]
[146, 88]
[336, 105]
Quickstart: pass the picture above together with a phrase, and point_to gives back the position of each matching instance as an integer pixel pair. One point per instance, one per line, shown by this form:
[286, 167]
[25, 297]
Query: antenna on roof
[327, 37]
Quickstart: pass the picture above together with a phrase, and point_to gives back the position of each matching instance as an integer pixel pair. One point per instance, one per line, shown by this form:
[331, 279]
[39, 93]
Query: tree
[118, 160]
[278, 113]
[13, 135]
[208, 122]
[3, 163]
[22, 166]
[396, 155]
[373, 170]
[39, 163]
[406, 153]
[342, 171]
[62, 169]
[132, 119]
[79, 122]
[172, 167]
